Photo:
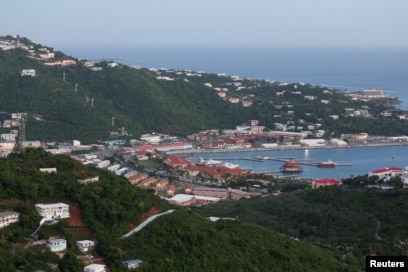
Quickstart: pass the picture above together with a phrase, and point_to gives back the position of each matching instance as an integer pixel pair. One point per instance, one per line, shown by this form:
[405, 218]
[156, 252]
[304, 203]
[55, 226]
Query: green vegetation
[346, 221]
[182, 241]
[74, 102]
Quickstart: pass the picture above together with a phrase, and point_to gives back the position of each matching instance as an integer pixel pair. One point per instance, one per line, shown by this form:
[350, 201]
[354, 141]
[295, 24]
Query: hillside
[86, 101]
[107, 209]
[354, 222]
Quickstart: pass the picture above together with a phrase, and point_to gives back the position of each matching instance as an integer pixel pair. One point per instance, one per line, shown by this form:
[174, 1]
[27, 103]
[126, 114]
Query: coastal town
[170, 166]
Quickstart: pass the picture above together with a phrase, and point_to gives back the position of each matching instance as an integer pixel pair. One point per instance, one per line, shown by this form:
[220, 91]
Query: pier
[278, 148]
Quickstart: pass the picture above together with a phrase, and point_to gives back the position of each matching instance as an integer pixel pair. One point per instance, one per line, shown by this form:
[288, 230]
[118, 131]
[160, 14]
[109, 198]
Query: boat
[326, 164]
[211, 162]
[231, 165]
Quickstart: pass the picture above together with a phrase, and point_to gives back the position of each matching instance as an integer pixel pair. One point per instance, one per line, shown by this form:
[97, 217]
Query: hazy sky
[229, 23]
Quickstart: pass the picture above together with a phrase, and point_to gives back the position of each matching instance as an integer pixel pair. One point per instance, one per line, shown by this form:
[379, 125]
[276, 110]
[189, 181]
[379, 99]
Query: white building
[7, 218]
[313, 142]
[57, 245]
[28, 72]
[53, 211]
[48, 170]
[103, 164]
[95, 268]
[85, 245]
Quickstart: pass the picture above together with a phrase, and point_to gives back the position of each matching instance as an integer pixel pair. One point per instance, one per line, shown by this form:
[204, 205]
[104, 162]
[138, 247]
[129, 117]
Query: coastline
[279, 148]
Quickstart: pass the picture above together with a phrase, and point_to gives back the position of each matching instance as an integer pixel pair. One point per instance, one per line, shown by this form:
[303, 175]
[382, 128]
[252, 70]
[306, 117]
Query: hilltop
[68, 98]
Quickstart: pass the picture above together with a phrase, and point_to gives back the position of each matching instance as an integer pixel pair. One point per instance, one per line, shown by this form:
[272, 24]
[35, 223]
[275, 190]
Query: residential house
[57, 245]
[132, 264]
[188, 188]
[142, 155]
[53, 211]
[171, 189]
[85, 245]
[48, 170]
[147, 182]
[136, 179]
[88, 180]
[162, 183]
[7, 218]
[28, 72]
[95, 268]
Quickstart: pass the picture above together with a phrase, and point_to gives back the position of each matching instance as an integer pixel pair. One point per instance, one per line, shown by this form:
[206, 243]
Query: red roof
[291, 164]
[328, 181]
[391, 169]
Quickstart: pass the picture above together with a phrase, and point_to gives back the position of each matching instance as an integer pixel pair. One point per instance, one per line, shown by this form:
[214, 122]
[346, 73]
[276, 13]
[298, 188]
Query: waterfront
[351, 161]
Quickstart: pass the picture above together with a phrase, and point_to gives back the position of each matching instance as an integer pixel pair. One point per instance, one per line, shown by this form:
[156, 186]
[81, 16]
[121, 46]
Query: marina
[348, 161]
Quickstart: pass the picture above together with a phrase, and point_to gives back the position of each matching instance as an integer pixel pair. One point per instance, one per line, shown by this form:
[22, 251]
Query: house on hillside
[48, 170]
[88, 180]
[95, 268]
[57, 245]
[85, 245]
[132, 264]
[7, 218]
[53, 211]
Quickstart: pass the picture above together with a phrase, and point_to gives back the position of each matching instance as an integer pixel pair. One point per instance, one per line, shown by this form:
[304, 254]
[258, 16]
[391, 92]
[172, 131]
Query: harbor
[348, 161]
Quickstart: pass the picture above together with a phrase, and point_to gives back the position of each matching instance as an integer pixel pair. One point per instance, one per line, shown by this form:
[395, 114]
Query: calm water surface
[361, 160]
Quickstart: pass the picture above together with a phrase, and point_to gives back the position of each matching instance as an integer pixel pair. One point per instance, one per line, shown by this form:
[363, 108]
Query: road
[144, 223]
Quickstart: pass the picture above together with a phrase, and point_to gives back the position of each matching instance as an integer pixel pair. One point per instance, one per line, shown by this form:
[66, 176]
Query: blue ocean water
[348, 69]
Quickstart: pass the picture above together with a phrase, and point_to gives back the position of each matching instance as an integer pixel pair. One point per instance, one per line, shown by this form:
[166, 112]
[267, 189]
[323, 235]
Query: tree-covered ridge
[75, 102]
[187, 242]
[352, 222]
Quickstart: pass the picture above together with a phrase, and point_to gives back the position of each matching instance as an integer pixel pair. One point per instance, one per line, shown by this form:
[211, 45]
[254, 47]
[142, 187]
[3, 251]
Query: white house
[7, 218]
[48, 170]
[53, 211]
[85, 245]
[57, 245]
[132, 264]
[95, 268]
[28, 72]
[103, 164]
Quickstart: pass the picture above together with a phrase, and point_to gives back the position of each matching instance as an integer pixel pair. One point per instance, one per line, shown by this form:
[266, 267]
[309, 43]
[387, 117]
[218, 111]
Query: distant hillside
[105, 210]
[86, 101]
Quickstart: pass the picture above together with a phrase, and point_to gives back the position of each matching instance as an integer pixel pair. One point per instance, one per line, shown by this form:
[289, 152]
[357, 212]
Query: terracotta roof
[327, 181]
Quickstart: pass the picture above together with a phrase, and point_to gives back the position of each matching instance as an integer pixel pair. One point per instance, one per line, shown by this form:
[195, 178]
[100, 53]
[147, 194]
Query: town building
[188, 200]
[325, 182]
